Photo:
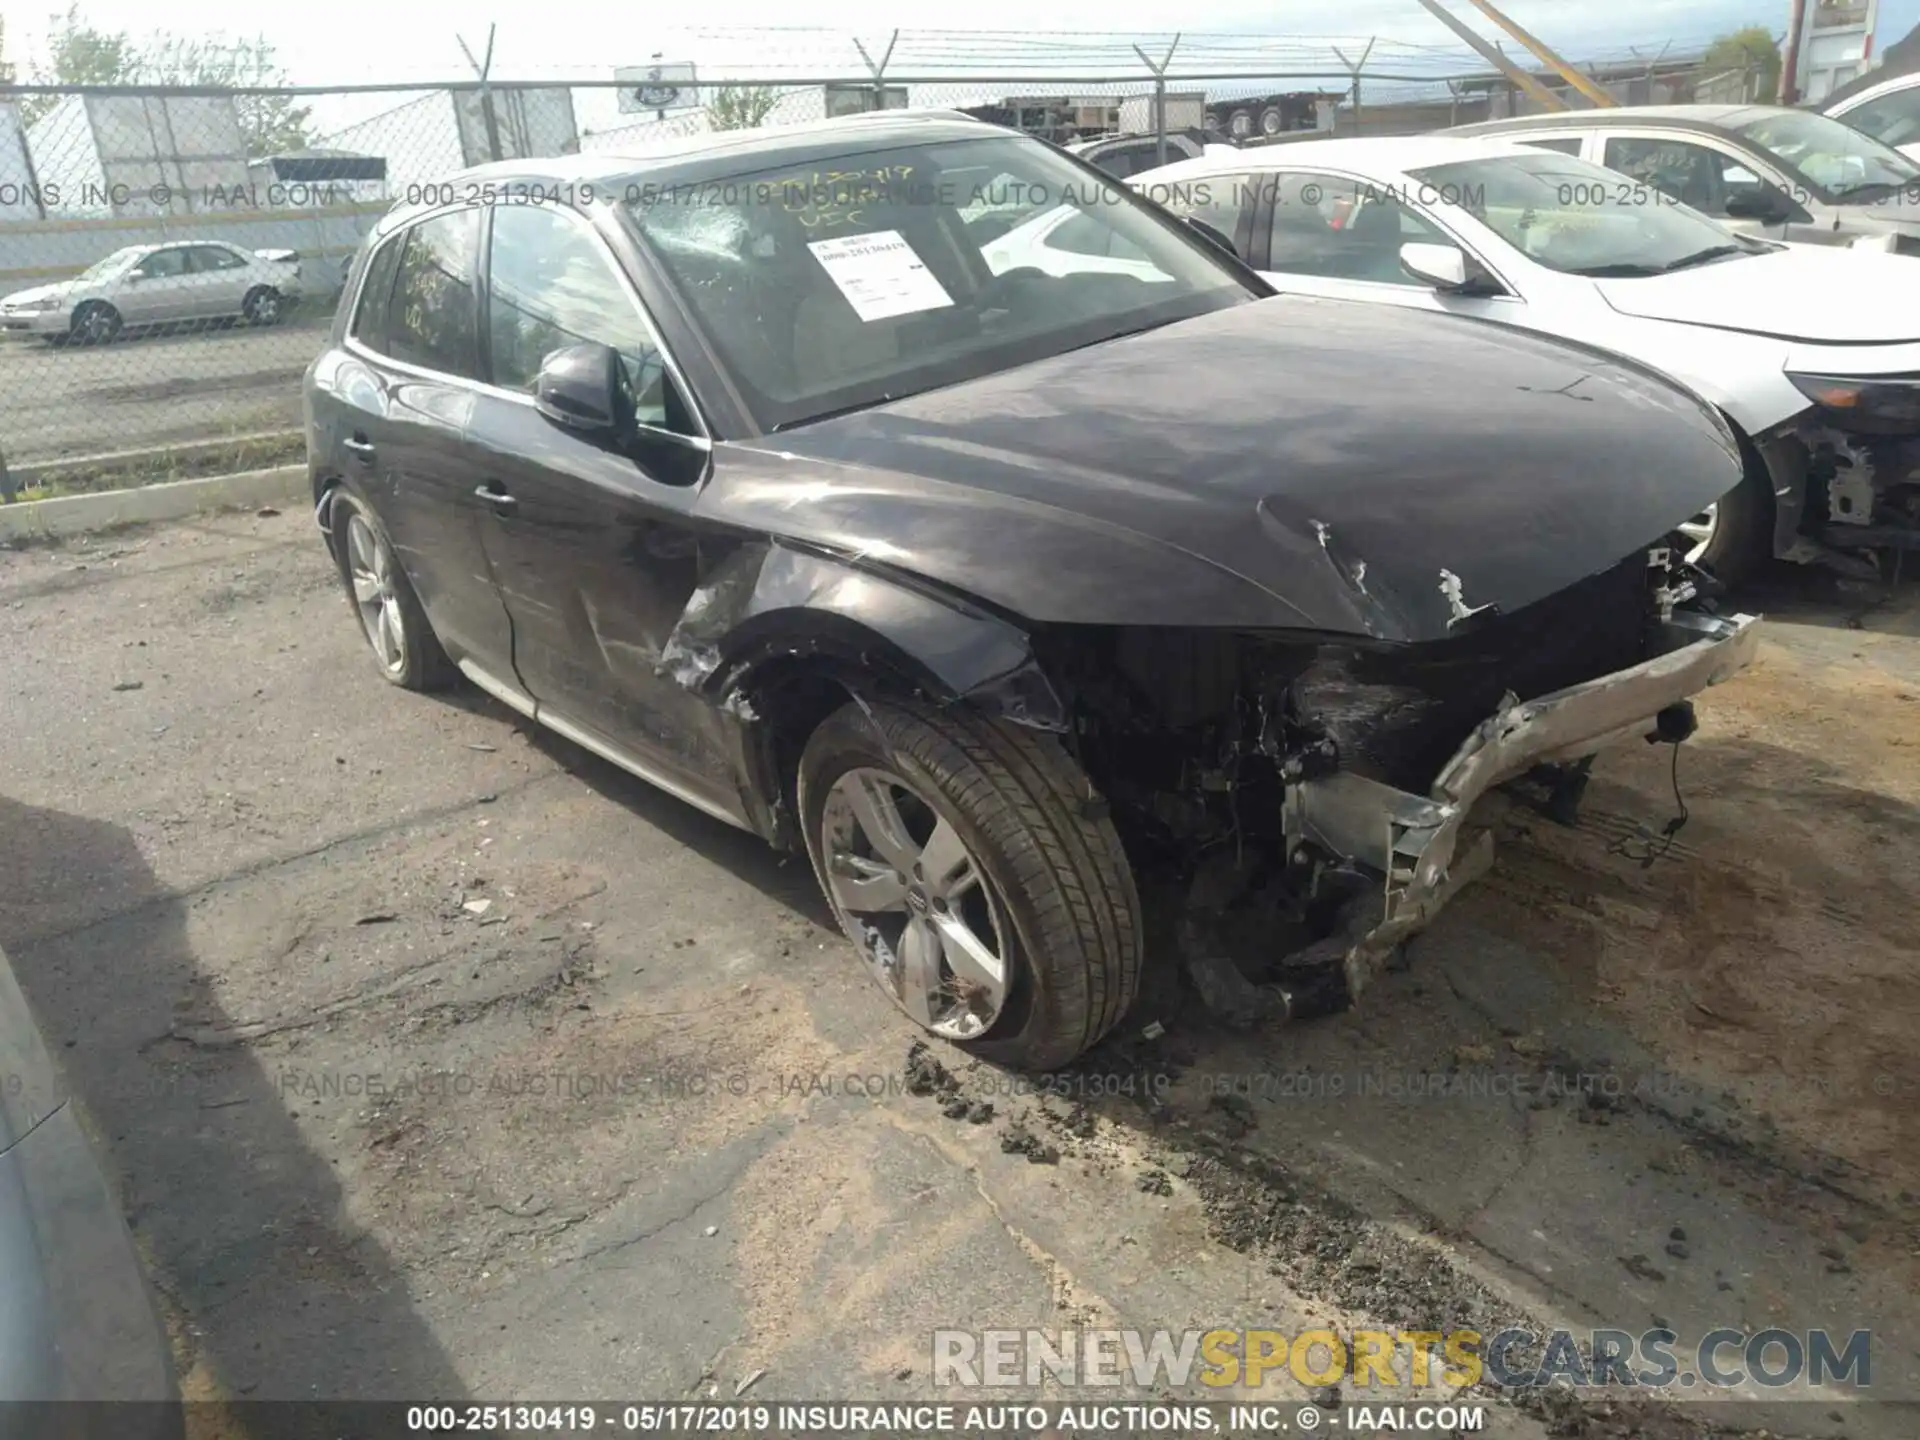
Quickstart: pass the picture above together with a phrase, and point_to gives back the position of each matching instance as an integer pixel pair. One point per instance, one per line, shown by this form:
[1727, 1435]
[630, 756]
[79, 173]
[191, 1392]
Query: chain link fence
[170, 260]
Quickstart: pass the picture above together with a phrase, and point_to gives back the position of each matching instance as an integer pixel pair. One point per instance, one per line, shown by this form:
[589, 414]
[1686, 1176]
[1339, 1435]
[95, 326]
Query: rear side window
[433, 318]
[1892, 119]
[214, 257]
[370, 319]
[1565, 144]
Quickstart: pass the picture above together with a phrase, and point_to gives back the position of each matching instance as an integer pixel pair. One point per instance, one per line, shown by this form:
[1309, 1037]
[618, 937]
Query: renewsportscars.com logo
[1725, 1358]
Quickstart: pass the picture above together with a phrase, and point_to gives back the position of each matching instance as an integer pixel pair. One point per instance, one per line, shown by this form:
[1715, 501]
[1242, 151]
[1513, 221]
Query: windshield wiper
[1703, 257]
[1618, 270]
[839, 410]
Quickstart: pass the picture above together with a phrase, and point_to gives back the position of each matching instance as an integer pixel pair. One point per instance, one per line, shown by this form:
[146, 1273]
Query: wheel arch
[778, 637]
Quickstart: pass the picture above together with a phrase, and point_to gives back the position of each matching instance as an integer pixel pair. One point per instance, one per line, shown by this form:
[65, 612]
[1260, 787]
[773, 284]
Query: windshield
[834, 285]
[1581, 219]
[1835, 158]
[100, 269]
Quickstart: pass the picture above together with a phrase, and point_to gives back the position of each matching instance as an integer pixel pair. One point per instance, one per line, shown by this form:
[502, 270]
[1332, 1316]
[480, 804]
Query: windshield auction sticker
[880, 274]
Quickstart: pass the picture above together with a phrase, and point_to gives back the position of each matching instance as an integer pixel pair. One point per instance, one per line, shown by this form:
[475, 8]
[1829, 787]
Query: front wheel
[971, 866]
[95, 323]
[1732, 539]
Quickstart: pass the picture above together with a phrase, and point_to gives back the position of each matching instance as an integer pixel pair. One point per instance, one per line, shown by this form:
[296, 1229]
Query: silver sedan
[144, 285]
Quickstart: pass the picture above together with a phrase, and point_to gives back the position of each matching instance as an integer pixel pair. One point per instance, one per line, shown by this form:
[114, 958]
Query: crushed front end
[1305, 804]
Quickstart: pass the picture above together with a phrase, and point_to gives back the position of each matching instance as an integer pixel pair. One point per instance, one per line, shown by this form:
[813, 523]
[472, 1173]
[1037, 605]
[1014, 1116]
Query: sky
[366, 40]
[418, 41]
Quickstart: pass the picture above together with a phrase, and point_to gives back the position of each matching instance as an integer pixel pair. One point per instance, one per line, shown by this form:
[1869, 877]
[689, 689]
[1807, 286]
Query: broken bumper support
[1414, 840]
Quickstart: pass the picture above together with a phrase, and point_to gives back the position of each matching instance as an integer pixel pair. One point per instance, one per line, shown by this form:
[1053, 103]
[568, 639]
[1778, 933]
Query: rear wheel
[263, 306]
[967, 863]
[95, 323]
[404, 645]
[1273, 120]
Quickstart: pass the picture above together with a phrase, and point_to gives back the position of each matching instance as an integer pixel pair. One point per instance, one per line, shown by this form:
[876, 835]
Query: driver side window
[1340, 229]
[1695, 175]
[162, 264]
[551, 285]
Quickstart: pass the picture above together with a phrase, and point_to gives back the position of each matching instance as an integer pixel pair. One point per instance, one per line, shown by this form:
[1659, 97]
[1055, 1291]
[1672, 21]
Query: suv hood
[1296, 464]
[1825, 294]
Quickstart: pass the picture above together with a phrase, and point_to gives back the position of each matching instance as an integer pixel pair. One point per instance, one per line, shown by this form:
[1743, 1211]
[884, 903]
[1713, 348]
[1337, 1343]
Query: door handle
[499, 499]
[361, 449]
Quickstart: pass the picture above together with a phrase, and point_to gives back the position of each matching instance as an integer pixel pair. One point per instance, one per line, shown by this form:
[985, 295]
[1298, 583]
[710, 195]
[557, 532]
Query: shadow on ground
[242, 1223]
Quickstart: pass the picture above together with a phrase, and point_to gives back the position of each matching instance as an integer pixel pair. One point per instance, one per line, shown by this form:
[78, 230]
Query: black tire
[1742, 540]
[1273, 121]
[423, 664]
[1051, 856]
[95, 323]
[264, 305]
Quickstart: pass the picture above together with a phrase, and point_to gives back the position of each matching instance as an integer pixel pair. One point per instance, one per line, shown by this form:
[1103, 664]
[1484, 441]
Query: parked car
[77, 1319]
[1888, 111]
[1003, 597]
[1809, 352]
[1783, 174]
[145, 285]
[1124, 155]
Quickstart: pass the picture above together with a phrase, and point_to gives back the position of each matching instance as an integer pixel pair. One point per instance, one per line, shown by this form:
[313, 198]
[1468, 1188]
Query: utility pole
[1790, 61]
[1573, 77]
[482, 69]
[1491, 54]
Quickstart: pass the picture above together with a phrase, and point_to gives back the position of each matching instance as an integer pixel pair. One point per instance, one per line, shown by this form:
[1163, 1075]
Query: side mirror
[1761, 203]
[1210, 234]
[584, 388]
[1442, 266]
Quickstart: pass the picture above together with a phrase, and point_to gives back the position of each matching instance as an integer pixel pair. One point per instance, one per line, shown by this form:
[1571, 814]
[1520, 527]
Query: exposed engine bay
[1308, 802]
[1838, 494]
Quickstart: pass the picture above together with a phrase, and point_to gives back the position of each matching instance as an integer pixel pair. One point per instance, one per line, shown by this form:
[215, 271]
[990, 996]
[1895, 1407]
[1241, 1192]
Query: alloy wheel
[1699, 532]
[265, 308]
[917, 903]
[370, 569]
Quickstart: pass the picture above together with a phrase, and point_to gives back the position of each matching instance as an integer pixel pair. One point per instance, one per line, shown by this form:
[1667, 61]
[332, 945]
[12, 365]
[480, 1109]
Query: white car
[1888, 111]
[1812, 353]
[143, 285]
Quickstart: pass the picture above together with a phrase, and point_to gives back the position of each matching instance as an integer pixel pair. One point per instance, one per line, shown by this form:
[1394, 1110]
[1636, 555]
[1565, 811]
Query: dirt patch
[1770, 954]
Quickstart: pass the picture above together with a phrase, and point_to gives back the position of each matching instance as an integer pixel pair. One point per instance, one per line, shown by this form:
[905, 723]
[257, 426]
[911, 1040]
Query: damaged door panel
[774, 632]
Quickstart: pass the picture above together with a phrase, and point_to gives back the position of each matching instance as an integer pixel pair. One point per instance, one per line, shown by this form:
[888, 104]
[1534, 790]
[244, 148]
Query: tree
[741, 107]
[82, 55]
[270, 124]
[1752, 50]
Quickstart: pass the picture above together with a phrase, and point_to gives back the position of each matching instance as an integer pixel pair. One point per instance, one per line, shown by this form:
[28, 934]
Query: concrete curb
[185, 453]
[76, 514]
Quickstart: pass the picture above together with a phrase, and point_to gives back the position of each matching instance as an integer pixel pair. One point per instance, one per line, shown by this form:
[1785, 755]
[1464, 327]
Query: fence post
[1159, 97]
[1354, 66]
[878, 72]
[9, 491]
[482, 69]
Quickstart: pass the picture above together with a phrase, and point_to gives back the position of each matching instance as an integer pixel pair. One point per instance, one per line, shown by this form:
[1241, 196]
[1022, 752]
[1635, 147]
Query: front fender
[770, 606]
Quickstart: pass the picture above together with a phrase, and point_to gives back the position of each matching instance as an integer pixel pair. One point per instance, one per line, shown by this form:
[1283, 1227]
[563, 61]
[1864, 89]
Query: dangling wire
[1649, 849]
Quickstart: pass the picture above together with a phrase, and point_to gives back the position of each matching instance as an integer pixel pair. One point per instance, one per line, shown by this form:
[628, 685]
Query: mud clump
[1018, 1140]
[1156, 1182]
[925, 1075]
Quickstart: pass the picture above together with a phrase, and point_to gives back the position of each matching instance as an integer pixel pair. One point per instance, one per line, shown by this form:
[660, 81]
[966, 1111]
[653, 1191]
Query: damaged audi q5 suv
[1023, 601]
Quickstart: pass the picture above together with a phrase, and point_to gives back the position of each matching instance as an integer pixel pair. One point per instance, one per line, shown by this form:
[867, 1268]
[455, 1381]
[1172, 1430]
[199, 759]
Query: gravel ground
[441, 1060]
